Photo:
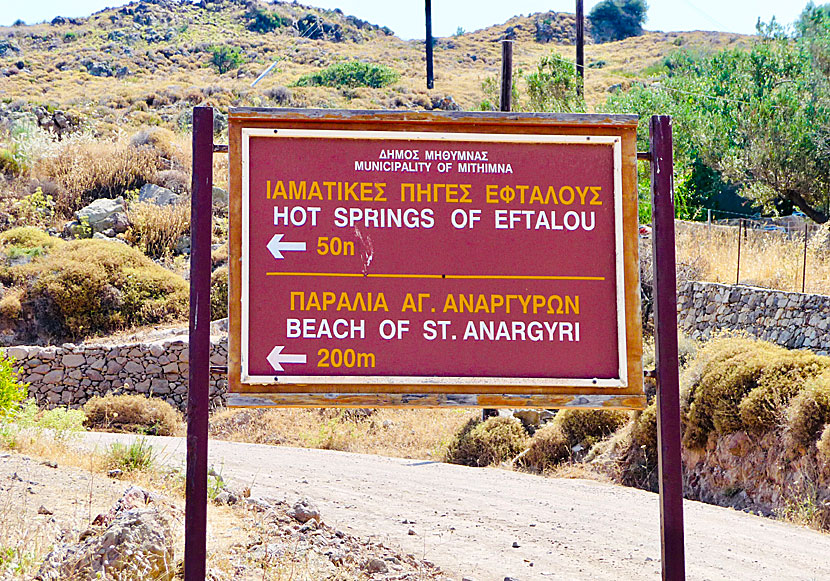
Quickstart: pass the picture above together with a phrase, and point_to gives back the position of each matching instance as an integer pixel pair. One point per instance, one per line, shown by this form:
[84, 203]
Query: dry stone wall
[792, 320]
[72, 374]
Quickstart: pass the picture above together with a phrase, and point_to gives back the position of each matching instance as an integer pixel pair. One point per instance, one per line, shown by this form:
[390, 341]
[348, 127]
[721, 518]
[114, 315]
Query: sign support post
[195, 543]
[665, 324]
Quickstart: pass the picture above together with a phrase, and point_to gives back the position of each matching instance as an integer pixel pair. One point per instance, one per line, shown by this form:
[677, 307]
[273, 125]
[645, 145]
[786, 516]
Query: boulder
[304, 511]
[103, 214]
[220, 198]
[132, 542]
[153, 194]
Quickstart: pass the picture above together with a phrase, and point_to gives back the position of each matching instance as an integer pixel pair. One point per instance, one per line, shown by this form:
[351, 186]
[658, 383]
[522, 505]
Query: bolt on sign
[433, 258]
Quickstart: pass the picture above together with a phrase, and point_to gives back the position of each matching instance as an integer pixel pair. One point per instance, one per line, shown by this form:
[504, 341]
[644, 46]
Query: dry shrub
[493, 441]
[741, 383]
[809, 411]
[571, 429]
[10, 305]
[548, 448]
[86, 287]
[87, 170]
[219, 293]
[644, 432]
[219, 256]
[823, 445]
[164, 143]
[134, 414]
[156, 230]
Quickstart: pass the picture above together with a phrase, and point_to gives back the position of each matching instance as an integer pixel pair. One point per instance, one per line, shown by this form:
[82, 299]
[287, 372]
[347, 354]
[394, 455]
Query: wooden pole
[670, 466]
[506, 97]
[580, 47]
[428, 8]
[198, 392]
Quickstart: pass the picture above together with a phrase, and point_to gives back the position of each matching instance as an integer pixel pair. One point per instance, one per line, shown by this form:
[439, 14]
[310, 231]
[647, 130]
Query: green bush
[137, 455]
[740, 383]
[12, 390]
[260, 20]
[351, 74]
[9, 164]
[493, 441]
[27, 240]
[87, 287]
[225, 58]
[809, 411]
[617, 19]
[219, 293]
[132, 413]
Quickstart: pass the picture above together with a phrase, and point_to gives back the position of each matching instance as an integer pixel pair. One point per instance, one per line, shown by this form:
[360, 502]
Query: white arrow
[276, 245]
[276, 356]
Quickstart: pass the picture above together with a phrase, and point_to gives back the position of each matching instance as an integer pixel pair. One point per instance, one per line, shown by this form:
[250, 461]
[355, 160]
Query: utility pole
[580, 46]
[428, 8]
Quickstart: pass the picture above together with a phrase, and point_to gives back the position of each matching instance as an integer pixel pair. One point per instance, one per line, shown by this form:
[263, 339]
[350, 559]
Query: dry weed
[157, 230]
[419, 434]
[134, 414]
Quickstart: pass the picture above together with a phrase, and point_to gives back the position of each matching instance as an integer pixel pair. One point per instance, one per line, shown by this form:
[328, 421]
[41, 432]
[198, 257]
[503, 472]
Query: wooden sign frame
[618, 129]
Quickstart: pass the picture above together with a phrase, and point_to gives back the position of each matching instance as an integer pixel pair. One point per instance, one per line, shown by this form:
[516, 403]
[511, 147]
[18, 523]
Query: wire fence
[789, 253]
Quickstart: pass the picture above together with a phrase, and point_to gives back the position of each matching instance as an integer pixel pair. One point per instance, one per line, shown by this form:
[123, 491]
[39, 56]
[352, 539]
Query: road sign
[433, 258]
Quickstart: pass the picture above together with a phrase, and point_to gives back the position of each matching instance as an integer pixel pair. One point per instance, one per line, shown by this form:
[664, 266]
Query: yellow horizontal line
[438, 276]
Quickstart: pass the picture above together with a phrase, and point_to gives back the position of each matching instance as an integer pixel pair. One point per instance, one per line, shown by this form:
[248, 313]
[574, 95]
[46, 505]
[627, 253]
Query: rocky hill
[149, 61]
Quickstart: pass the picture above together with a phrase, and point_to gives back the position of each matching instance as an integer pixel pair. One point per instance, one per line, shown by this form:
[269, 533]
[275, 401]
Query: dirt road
[487, 524]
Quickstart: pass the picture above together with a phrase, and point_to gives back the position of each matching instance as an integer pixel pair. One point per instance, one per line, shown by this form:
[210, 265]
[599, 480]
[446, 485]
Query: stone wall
[792, 320]
[72, 374]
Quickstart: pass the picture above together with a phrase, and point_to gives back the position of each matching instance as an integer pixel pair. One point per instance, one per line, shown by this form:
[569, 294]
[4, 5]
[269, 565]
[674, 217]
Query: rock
[103, 214]
[132, 542]
[303, 511]
[183, 245]
[220, 198]
[445, 104]
[73, 360]
[258, 504]
[226, 497]
[532, 417]
[153, 194]
[99, 69]
[43, 510]
[376, 566]
[115, 473]
[515, 544]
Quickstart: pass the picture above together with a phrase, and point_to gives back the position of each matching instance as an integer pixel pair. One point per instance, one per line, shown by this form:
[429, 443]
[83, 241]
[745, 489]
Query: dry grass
[768, 259]
[417, 434]
[157, 230]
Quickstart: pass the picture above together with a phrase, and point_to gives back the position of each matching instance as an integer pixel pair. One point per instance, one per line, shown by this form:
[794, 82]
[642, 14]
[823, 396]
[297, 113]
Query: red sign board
[378, 255]
[431, 259]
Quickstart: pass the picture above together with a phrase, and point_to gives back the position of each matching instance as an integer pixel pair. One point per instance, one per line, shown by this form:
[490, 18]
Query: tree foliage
[758, 118]
[617, 19]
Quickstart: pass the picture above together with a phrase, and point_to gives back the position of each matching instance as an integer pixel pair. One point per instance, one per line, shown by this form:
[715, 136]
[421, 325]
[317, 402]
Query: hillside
[149, 61]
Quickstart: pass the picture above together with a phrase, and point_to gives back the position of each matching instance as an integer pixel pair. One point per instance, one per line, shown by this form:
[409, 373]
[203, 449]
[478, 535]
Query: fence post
[198, 392]
[804, 269]
[428, 43]
[506, 97]
[738, 274]
[670, 465]
[580, 47]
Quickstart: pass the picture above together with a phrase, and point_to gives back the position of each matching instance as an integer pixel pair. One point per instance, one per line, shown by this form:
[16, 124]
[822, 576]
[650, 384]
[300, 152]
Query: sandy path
[466, 520]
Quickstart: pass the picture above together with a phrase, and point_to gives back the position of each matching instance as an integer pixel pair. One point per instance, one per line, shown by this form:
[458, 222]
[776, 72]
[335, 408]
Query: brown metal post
[428, 9]
[665, 324]
[195, 520]
[506, 98]
[804, 269]
[738, 274]
[580, 46]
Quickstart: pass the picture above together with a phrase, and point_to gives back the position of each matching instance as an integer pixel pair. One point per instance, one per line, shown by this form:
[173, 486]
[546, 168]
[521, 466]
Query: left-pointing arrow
[276, 246]
[276, 357]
